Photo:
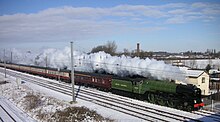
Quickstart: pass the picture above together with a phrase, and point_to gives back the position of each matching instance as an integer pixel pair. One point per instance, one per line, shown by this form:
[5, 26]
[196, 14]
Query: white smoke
[18, 56]
[102, 62]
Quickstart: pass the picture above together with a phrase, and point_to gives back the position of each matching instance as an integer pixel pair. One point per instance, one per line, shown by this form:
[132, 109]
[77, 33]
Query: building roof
[194, 73]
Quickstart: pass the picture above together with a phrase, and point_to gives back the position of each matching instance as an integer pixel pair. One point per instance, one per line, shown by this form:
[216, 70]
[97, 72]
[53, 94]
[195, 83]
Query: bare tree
[126, 52]
[193, 63]
[110, 48]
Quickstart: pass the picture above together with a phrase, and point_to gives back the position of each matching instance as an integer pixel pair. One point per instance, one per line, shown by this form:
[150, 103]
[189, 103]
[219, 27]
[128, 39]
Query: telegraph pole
[46, 65]
[58, 70]
[11, 56]
[72, 72]
[46, 62]
[5, 63]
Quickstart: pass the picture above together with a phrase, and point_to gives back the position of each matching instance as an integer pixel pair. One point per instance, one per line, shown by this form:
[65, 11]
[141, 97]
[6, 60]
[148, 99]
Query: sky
[158, 25]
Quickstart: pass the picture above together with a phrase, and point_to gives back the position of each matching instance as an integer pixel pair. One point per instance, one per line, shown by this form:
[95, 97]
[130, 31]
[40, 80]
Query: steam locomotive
[183, 97]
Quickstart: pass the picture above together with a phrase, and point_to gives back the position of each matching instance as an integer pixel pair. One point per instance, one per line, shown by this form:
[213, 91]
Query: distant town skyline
[161, 25]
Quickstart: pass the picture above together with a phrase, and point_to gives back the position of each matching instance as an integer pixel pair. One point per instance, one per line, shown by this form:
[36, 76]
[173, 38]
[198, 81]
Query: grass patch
[31, 101]
[72, 114]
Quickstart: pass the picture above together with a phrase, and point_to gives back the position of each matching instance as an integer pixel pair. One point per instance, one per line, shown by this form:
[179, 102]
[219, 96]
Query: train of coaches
[184, 97]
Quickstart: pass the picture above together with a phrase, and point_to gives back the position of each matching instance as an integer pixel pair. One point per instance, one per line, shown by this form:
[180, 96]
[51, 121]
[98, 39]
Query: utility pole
[11, 56]
[46, 65]
[58, 70]
[72, 72]
[5, 63]
[46, 61]
[211, 102]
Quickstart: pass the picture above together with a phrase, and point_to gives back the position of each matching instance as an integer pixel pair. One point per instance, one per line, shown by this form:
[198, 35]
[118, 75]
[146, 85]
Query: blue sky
[158, 25]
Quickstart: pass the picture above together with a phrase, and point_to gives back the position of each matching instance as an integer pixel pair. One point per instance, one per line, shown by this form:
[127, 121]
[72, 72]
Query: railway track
[11, 113]
[7, 116]
[209, 112]
[119, 103]
[213, 115]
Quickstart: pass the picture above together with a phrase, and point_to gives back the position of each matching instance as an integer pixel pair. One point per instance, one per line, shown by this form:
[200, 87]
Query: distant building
[214, 79]
[138, 49]
[214, 71]
[178, 63]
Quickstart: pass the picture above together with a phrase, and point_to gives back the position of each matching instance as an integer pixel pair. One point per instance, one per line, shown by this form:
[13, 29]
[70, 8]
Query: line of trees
[110, 47]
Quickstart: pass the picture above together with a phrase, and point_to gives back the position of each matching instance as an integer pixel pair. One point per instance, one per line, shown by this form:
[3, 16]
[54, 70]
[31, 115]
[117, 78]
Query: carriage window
[203, 79]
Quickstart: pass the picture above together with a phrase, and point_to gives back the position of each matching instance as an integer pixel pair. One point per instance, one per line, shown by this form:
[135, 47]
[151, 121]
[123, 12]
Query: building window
[203, 79]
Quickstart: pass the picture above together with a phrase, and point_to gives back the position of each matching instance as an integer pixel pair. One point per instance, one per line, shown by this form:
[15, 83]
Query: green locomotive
[184, 97]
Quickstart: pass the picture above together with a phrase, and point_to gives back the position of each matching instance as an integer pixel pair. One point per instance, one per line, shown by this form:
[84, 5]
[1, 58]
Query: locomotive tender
[184, 97]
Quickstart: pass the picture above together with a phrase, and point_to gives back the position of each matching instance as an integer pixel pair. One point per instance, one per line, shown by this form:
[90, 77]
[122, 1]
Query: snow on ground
[51, 101]
[202, 63]
[215, 107]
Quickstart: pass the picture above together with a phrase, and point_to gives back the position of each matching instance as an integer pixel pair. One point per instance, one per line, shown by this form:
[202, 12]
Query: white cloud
[174, 5]
[199, 5]
[178, 11]
[78, 23]
[176, 20]
[205, 12]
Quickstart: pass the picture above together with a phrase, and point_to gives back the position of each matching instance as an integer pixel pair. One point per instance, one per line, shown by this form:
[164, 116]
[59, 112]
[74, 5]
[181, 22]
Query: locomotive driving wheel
[161, 100]
[151, 98]
[171, 103]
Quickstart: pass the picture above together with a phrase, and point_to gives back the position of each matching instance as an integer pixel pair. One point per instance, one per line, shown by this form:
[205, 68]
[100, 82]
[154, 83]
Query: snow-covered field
[202, 63]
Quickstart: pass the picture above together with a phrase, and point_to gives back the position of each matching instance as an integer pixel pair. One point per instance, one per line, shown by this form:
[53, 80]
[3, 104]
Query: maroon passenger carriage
[99, 81]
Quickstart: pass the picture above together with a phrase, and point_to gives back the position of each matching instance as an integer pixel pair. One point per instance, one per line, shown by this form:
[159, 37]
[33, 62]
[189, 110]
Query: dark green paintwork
[144, 86]
[122, 85]
[162, 86]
